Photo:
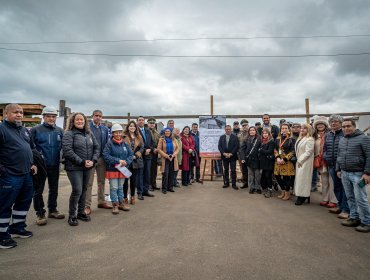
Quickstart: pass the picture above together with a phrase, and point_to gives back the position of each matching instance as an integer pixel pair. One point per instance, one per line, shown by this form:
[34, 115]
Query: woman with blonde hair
[81, 151]
[284, 161]
[304, 148]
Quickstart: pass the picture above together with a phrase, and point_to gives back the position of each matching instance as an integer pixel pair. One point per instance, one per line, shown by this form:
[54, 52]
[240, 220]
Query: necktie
[143, 133]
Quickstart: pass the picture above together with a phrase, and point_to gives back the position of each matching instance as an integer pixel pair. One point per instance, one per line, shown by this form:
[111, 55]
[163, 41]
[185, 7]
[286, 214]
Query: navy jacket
[114, 152]
[104, 136]
[15, 149]
[48, 141]
[233, 146]
[354, 153]
[196, 140]
[148, 142]
[331, 147]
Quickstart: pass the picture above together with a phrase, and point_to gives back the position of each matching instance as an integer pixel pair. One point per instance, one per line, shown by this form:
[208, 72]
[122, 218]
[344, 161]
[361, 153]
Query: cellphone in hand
[362, 183]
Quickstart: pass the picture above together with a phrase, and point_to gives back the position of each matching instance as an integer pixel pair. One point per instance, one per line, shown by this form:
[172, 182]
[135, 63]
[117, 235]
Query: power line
[186, 56]
[186, 39]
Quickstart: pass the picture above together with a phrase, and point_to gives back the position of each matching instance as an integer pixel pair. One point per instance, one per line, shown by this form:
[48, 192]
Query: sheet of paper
[124, 170]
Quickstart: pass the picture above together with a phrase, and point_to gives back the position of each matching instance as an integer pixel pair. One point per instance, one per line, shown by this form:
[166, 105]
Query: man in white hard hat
[47, 138]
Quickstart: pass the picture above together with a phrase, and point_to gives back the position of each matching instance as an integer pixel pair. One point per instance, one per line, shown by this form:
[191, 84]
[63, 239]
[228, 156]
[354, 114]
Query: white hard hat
[116, 127]
[48, 110]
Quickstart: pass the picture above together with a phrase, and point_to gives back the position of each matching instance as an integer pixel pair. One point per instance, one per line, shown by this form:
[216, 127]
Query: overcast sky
[160, 86]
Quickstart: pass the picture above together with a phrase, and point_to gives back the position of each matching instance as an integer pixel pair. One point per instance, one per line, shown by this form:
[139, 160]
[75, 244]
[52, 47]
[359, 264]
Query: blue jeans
[356, 197]
[339, 192]
[116, 189]
[15, 200]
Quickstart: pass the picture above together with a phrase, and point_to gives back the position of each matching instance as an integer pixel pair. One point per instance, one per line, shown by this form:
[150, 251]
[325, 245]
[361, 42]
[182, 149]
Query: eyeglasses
[98, 116]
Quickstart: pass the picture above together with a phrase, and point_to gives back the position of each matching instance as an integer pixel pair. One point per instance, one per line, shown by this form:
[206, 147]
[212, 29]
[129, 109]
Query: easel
[212, 173]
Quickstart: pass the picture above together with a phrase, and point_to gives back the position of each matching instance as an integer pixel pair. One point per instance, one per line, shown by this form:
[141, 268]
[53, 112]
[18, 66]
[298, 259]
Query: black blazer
[233, 146]
[148, 142]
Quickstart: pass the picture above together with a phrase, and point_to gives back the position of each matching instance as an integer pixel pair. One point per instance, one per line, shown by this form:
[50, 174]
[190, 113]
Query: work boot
[115, 209]
[41, 220]
[351, 223]
[132, 200]
[268, 194]
[123, 206]
[56, 215]
[363, 228]
[282, 194]
[286, 196]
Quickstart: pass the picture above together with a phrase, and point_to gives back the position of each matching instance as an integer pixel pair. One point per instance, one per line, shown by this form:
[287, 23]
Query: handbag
[317, 162]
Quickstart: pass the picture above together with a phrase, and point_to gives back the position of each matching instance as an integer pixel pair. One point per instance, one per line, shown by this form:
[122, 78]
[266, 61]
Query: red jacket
[187, 143]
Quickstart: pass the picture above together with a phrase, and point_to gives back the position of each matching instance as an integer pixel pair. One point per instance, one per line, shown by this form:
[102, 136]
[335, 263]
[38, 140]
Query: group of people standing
[293, 155]
[129, 157]
[28, 158]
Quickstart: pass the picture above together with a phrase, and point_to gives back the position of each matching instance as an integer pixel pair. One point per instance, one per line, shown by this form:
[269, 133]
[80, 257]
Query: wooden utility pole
[307, 110]
[62, 108]
[211, 105]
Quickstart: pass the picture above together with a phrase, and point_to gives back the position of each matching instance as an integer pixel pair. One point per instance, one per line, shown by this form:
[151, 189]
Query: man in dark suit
[228, 145]
[147, 156]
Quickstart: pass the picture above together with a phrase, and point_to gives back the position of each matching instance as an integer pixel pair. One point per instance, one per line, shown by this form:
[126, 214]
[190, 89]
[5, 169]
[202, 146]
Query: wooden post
[62, 108]
[307, 110]
[211, 105]
[128, 117]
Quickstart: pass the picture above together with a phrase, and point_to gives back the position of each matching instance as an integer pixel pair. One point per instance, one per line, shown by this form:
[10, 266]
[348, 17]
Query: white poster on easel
[210, 130]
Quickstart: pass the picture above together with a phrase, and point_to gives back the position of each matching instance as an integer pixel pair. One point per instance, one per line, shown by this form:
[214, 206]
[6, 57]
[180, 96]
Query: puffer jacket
[354, 153]
[249, 151]
[114, 152]
[48, 141]
[78, 147]
[331, 147]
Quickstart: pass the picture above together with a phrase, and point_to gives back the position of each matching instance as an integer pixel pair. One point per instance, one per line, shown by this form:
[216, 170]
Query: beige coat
[304, 149]
[162, 150]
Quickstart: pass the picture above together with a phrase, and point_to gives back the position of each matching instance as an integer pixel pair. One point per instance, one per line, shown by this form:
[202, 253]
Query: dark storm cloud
[153, 86]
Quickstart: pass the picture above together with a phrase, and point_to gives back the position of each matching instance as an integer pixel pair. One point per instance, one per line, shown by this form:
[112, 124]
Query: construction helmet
[116, 127]
[48, 110]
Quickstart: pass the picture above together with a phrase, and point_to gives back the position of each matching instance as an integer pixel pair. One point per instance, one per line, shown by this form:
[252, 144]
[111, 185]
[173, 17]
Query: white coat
[304, 149]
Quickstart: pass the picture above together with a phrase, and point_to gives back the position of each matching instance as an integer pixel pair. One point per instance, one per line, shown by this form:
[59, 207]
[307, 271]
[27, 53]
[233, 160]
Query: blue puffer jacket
[331, 147]
[48, 141]
[114, 152]
[354, 153]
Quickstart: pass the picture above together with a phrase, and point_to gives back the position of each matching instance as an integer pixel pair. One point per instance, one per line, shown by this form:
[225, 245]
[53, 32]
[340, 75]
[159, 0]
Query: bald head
[14, 113]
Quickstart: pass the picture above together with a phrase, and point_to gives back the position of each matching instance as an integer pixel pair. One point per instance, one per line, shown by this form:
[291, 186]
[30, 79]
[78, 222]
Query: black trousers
[266, 179]
[285, 182]
[38, 201]
[167, 175]
[79, 180]
[185, 178]
[193, 166]
[132, 183]
[229, 163]
[154, 171]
